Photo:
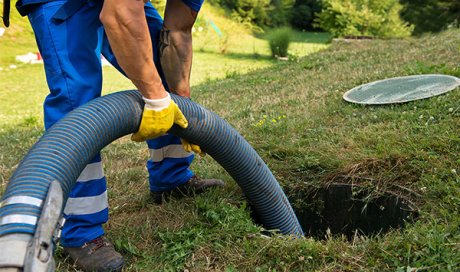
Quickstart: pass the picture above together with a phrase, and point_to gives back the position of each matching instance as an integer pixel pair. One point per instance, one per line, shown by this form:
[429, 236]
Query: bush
[431, 15]
[279, 40]
[371, 18]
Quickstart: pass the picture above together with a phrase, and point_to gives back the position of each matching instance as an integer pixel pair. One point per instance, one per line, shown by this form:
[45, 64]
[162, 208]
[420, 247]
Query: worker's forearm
[176, 59]
[176, 46]
[127, 31]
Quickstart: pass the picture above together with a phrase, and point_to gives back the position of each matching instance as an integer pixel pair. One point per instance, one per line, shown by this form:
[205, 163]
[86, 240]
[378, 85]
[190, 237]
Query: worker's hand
[158, 117]
[189, 147]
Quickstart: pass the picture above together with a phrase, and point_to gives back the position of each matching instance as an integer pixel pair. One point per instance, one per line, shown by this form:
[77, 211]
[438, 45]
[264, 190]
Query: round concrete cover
[401, 89]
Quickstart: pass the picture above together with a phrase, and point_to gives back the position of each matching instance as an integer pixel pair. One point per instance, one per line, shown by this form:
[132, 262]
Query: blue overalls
[71, 40]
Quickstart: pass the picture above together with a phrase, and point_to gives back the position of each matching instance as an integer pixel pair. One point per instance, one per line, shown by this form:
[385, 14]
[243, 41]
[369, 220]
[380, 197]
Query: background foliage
[431, 15]
[304, 13]
[371, 18]
[387, 18]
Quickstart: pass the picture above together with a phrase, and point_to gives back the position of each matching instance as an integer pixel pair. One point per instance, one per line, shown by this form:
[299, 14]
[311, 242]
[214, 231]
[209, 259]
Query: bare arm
[176, 46]
[126, 27]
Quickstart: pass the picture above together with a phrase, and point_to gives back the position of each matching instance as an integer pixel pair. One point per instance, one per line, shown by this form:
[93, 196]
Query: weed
[279, 40]
[31, 121]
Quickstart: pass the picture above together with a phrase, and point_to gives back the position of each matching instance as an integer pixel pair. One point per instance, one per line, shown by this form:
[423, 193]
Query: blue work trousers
[71, 49]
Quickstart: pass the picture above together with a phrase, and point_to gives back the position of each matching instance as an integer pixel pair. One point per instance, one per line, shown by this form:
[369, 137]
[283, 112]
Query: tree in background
[280, 12]
[259, 12]
[370, 18]
[431, 15]
[252, 11]
[303, 14]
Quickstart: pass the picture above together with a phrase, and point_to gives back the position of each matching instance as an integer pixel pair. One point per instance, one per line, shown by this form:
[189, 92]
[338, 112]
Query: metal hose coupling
[22, 252]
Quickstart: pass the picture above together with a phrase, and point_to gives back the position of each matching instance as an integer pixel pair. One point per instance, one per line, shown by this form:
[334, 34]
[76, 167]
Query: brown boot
[98, 255]
[193, 186]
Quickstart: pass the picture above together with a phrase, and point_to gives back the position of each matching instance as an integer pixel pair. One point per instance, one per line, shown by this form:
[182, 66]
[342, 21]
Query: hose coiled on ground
[65, 149]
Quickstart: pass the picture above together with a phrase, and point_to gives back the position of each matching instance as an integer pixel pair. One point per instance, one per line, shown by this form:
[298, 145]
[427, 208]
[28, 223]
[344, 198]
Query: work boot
[193, 186]
[98, 255]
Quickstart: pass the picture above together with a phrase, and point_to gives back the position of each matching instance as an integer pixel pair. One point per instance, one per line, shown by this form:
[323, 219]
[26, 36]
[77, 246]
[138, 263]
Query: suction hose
[65, 149]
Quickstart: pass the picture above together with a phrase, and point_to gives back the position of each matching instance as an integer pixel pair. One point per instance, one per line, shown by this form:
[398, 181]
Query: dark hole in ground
[342, 209]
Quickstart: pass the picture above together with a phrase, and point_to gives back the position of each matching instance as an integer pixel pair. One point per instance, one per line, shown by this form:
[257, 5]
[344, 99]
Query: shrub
[279, 40]
[372, 18]
[431, 15]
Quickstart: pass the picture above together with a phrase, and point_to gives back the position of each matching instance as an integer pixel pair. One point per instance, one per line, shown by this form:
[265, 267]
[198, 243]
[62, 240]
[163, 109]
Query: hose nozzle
[35, 254]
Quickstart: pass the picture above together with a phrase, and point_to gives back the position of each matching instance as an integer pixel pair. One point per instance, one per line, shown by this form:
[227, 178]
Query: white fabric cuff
[157, 104]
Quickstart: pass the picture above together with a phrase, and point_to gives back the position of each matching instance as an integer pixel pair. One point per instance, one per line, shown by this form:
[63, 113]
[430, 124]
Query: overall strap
[68, 9]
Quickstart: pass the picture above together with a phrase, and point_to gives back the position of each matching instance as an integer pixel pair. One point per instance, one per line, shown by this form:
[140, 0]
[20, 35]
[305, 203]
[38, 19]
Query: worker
[156, 56]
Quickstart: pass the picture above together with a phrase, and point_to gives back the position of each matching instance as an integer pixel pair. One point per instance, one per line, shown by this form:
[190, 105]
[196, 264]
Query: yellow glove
[189, 147]
[158, 117]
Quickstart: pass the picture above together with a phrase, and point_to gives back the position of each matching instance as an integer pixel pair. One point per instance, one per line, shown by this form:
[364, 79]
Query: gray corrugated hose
[65, 149]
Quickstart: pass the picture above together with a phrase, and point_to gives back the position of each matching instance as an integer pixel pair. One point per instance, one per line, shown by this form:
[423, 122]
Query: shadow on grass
[239, 56]
[302, 37]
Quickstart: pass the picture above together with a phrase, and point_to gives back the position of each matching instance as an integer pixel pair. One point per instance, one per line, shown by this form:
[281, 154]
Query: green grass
[248, 54]
[293, 114]
[18, 39]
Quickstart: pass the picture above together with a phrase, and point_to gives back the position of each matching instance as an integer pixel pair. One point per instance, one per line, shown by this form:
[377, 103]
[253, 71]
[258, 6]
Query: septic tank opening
[343, 209]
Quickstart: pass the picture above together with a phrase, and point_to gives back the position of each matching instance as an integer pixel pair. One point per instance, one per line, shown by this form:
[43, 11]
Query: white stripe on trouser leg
[92, 171]
[86, 205]
[176, 151]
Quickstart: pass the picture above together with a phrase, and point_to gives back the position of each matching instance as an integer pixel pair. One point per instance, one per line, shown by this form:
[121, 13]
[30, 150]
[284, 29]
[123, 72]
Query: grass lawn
[293, 114]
